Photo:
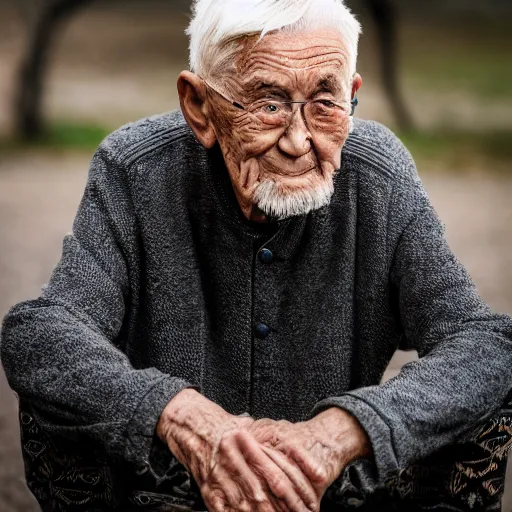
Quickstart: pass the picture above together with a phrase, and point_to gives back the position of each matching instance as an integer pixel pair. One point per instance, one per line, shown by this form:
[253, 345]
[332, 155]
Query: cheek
[328, 147]
[241, 139]
[254, 141]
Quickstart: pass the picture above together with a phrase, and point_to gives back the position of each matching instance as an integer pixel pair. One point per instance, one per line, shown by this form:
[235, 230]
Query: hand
[321, 447]
[231, 468]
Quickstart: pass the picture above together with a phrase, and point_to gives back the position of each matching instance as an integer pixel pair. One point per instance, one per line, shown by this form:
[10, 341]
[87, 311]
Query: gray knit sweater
[162, 285]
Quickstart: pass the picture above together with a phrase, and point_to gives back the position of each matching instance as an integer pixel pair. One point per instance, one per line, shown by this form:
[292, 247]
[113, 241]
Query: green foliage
[75, 136]
[62, 135]
[484, 75]
[456, 150]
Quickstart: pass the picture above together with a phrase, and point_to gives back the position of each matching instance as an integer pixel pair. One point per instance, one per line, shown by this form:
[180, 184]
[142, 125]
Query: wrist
[175, 413]
[178, 424]
[191, 425]
[346, 432]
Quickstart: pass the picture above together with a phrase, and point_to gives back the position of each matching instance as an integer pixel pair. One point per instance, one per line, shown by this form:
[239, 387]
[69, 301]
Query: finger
[239, 486]
[215, 503]
[272, 502]
[236, 499]
[275, 478]
[270, 506]
[237, 480]
[309, 465]
[219, 487]
[222, 492]
[306, 491]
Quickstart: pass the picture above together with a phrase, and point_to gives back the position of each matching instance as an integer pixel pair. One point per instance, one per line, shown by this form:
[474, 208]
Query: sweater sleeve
[463, 375]
[62, 352]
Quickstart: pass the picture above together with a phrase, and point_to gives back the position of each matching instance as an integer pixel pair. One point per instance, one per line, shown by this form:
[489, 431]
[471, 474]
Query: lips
[293, 171]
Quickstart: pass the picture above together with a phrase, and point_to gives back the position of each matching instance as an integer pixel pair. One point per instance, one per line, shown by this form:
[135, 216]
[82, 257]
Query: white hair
[217, 23]
[272, 201]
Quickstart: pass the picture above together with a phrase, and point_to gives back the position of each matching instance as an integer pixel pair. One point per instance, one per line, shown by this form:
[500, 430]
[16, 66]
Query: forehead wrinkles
[292, 50]
[299, 59]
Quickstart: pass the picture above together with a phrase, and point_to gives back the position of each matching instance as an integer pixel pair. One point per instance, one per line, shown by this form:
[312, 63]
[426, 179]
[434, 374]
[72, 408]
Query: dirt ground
[125, 72]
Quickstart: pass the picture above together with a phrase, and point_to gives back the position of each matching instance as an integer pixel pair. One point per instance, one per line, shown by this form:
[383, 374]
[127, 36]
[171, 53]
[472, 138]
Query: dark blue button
[261, 330]
[265, 256]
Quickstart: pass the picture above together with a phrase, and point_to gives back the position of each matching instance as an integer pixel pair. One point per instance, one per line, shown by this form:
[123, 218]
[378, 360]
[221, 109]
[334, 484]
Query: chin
[283, 198]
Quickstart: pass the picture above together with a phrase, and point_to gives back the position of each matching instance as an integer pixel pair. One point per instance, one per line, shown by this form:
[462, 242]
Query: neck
[251, 211]
[257, 215]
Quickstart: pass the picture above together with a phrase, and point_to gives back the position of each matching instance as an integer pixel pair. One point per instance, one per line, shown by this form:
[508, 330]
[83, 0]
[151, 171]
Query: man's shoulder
[148, 136]
[378, 150]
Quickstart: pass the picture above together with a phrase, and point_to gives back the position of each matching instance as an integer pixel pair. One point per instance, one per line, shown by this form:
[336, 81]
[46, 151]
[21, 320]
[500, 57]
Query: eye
[271, 112]
[326, 103]
[325, 109]
[271, 108]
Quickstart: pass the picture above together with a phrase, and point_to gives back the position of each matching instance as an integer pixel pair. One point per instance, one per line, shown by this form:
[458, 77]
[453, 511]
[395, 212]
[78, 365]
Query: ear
[194, 105]
[357, 82]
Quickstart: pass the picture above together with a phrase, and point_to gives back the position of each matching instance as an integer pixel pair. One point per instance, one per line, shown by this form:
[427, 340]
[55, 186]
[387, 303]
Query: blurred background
[439, 73]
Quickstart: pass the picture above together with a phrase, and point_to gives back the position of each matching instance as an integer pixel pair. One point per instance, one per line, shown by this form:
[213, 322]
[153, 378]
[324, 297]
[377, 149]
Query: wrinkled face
[283, 170]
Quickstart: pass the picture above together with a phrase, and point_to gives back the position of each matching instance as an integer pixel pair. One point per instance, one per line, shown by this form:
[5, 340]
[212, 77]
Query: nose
[296, 140]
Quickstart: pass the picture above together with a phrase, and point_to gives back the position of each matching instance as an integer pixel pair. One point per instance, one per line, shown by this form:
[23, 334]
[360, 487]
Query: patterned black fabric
[61, 480]
[66, 476]
[465, 476]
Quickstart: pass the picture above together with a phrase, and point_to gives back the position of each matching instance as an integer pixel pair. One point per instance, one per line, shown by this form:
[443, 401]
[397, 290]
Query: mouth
[309, 169]
[292, 173]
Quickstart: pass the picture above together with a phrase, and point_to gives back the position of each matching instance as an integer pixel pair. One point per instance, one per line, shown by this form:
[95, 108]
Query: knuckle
[315, 505]
[319, 473]
[195, 445]
[226, 442]
[216, 503]
[259, 497]
[234, 435]
[278, 487]
[266, 506]
[298, 505]
[241, 435]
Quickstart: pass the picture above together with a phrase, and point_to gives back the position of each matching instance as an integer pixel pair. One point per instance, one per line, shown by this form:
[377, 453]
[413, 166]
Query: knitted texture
[160, 288]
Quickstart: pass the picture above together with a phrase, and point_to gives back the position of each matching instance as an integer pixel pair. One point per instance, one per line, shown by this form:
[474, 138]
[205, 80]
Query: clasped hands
[242, 464]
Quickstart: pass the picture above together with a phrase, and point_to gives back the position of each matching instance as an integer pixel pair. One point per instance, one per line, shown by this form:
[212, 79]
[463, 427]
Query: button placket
[266, 264]
[264, 257]
[270, 261]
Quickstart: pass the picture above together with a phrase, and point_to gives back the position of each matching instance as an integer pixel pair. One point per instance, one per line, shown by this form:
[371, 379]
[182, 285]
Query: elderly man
[238, 277]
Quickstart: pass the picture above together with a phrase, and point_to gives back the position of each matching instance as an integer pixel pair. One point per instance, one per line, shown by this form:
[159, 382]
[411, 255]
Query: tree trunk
[28, 113]
[384, 16]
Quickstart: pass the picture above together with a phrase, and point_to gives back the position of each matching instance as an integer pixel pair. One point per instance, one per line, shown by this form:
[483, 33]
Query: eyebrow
[259, 84]
[328, 83]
